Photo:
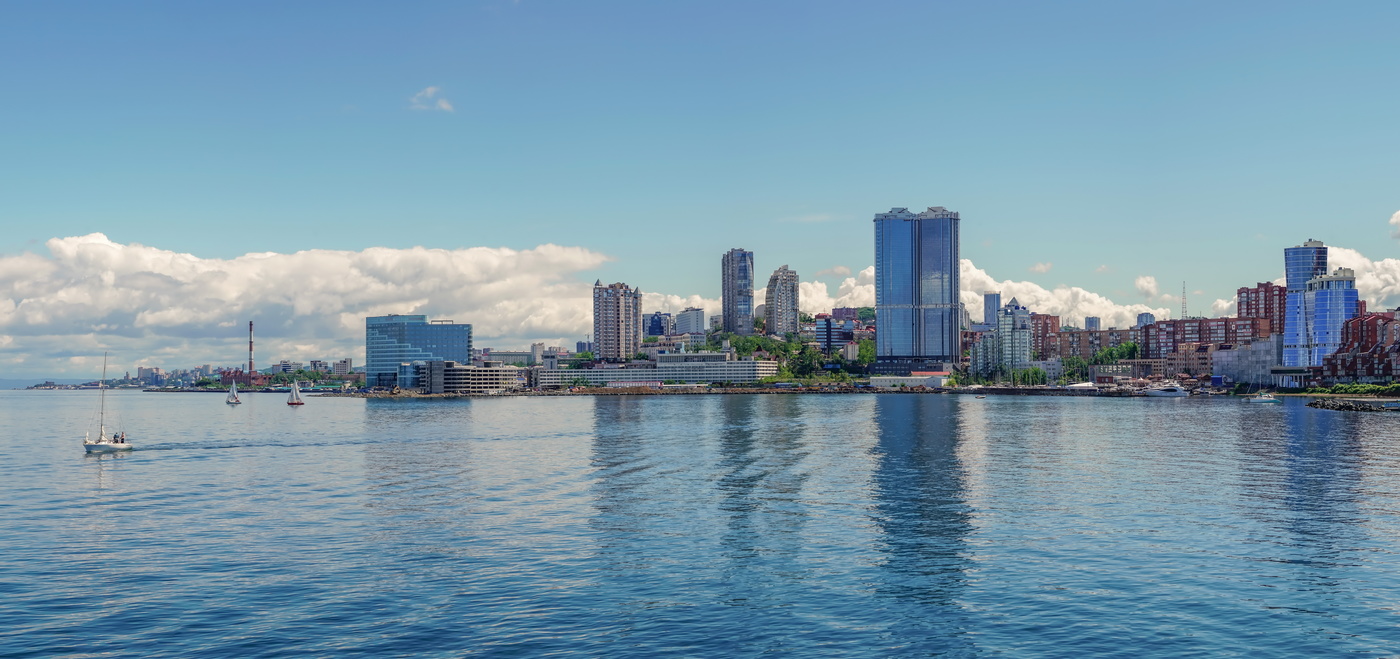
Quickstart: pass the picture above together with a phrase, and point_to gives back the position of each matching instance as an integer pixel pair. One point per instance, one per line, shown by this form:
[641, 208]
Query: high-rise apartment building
[736, 289]
[1092, 323]
[1043, 329]
[1145, 319]
[617, 321]
[691, 321]
[1301, 264]
[394, 340]
[1266, 300]
[1328, 303]
[780, 303]
[917, 311]
[1008, 348]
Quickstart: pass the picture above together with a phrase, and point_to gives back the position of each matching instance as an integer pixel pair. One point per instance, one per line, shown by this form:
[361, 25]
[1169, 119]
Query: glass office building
[394, 340]
[1328, 303]
[1301, 264]
[917, 310]
[736, 289]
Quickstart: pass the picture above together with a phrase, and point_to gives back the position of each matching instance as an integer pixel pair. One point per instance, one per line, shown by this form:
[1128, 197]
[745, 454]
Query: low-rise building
[448, 377]
[1369, 351]
[686, 367]
[1248, 362]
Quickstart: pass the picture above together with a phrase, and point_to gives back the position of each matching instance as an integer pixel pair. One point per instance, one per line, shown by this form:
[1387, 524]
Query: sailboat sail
[295, 397]
[233, 395]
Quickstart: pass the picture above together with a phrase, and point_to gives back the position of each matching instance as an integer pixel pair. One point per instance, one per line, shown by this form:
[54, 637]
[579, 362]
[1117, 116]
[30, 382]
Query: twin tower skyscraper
[918, 313]
[736, 291]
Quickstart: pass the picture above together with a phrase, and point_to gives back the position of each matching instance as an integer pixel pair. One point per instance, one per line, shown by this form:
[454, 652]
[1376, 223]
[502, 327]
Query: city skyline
[308, 171]
[328, 319]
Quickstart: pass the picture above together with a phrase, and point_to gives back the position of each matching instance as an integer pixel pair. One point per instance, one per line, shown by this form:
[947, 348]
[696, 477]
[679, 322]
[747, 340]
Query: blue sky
[1181, 140]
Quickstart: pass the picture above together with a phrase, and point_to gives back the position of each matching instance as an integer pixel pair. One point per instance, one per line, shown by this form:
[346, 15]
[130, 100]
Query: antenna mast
[1183, 300]
[250, 349]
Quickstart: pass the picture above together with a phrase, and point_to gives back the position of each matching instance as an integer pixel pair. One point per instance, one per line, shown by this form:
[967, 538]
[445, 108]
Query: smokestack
[250, 347]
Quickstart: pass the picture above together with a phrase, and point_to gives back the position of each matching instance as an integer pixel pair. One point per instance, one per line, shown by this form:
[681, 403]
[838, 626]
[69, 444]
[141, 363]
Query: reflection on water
[893, 525]
[923, 518]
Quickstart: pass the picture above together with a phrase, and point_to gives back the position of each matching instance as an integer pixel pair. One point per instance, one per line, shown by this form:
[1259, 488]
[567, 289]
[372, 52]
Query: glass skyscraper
[1301, 264]
[1328, 302]
[917, 310]
[394, 339]
[736, 289]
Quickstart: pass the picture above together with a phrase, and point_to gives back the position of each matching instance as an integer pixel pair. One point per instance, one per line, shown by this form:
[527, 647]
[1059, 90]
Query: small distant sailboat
[233, 395]
[103, 443]
[295, 397]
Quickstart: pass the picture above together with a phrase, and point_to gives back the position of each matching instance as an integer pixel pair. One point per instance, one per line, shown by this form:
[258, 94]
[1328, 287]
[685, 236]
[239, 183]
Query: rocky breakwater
[1342, 405]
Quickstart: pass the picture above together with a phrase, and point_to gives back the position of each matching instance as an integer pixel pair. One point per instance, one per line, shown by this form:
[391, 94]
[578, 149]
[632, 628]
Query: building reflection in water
[922, 514]
[759, 479]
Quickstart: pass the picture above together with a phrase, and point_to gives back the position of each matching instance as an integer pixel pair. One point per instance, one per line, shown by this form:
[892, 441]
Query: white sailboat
[103, 443]
[295, 397]
[233, 395]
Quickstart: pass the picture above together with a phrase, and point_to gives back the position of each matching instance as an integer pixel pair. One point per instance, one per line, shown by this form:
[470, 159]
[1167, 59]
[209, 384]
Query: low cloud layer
[157, 307]
[150, 306]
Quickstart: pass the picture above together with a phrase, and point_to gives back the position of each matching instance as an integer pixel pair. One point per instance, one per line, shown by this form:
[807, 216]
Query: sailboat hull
[106, 447]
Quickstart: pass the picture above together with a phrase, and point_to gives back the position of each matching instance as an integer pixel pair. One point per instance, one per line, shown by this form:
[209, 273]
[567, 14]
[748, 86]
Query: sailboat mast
[102, 400]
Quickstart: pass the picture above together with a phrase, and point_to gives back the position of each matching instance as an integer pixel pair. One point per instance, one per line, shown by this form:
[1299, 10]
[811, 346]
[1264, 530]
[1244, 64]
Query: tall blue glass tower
[736, 289]
[393, 340]
[1329, 302]
[1301, 264]
[917, 311]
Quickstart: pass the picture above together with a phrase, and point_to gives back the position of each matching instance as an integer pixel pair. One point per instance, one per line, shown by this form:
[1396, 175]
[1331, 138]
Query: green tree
[585, 356]
[865, 313]
[1076, 369]
[807, 362]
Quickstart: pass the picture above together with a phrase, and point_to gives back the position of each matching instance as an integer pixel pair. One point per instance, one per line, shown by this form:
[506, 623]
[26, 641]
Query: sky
[170, 171]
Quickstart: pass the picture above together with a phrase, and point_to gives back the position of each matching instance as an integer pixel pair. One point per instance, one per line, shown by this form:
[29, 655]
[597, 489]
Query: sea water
[708, 526]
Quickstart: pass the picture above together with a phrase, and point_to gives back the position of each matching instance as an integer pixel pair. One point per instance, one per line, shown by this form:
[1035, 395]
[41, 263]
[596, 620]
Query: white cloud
[429, 99]
[1067, 302]
[1395, 222]
[814, 297]
[1222, 308]
[1064, 301]
[1041, 268]
[1102, 269]
[835, 271]
[1377, 282]
[157, 307]
[1146, 285]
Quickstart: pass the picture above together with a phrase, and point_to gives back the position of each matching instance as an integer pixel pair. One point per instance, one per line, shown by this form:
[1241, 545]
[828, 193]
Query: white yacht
[233, 395]
[103, 443]
[1167, 390]
[1262, 398]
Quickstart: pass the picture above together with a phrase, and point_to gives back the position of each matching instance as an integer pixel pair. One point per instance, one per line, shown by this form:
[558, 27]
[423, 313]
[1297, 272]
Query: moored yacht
[1167, 390]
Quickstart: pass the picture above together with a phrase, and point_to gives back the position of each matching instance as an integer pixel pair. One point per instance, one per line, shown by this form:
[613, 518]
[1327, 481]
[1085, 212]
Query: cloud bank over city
[156, 307]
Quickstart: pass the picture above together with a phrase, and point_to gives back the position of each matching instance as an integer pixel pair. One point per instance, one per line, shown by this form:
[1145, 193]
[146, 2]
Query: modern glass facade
[991, 303]
[1301, 264]
[393, 340]
[917, 311]
[736, 289]
[1328, 303]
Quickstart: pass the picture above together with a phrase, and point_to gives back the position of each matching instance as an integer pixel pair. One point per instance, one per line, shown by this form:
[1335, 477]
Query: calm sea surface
[718, 526]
